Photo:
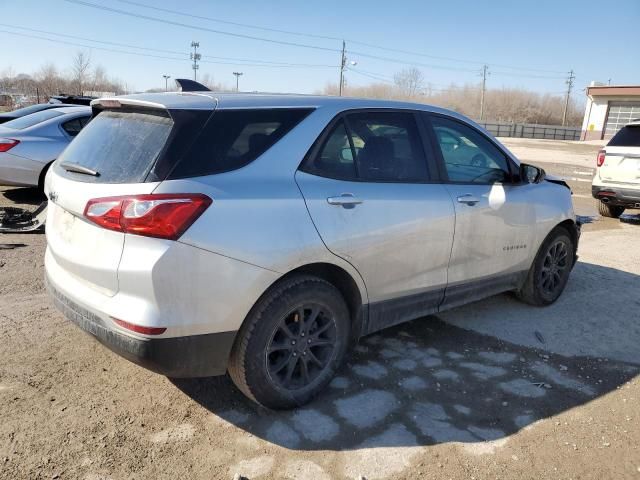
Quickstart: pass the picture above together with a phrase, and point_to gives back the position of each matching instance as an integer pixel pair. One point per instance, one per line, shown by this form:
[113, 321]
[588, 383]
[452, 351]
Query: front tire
[610, 211]
[291, 343]
[550, 270]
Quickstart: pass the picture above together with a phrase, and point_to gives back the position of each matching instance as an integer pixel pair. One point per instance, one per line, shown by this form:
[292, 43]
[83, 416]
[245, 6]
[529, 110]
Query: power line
[91, 46]
[238, 61]
[326, 37]
[263, 39]
[104, 42]
[196, 27]
[227, 22]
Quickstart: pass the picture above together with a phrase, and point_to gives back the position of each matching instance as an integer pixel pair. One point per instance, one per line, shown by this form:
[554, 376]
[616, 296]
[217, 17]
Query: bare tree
[410, 82]
[505, 104]
[208, 81]
[49, 80]
[80, 70]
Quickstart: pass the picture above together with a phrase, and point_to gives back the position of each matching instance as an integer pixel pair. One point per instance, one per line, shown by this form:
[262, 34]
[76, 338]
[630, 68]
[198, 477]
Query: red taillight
[7, 144]
[601, 155]
[139, 328]
[163, 215]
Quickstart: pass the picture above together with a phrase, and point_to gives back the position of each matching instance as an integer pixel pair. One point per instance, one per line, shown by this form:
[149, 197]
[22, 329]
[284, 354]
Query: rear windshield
[32, 119]
[233, 138]
[629, 136]
[21, 112]
[122, 146]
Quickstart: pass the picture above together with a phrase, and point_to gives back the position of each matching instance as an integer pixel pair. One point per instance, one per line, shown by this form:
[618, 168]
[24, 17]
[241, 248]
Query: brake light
[164, 215]
[7, 144]
[140, 328]
[601, 155]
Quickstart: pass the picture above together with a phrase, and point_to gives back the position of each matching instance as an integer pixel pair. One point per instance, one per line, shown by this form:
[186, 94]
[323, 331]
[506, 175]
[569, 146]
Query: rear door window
[372, 146]
[387, 147]
[335, 158]
[32, 119]
[122, 146]
[232, 139]
[628, 136]
[73, 127]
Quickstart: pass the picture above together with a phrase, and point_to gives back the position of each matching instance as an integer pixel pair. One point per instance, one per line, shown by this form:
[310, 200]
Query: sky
[527, 44]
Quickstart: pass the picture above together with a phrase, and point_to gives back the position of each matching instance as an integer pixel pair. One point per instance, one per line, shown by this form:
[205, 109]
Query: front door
[494, 216]
[368, 191]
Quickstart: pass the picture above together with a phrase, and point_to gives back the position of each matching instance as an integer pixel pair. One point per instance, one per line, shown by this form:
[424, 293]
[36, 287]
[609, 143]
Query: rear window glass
[629, 136]
[121, 146]
[233, 138]
[32, 119]
[21, 112]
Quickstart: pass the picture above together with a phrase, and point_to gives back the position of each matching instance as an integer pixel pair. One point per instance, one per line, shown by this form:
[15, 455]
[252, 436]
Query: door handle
[469, 199]
[346, 200]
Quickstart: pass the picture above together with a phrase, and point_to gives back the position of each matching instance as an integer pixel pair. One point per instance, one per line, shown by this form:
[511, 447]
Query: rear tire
[610, 211]
[550, 270]
[291, 343]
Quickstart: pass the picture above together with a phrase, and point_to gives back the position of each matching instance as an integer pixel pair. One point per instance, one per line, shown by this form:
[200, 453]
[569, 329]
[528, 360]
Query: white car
[616, 184]
[30, 144]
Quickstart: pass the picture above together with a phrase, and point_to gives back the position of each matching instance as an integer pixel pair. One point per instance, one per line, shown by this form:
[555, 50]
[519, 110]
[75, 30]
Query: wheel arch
[573, 228]
[354, 294]
[43, 174]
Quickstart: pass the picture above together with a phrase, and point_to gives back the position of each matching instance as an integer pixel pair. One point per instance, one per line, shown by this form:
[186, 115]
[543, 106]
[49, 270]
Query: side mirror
[531, 174]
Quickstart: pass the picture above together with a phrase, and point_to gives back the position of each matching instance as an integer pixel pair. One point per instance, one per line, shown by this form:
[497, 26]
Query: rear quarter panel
[258, 214]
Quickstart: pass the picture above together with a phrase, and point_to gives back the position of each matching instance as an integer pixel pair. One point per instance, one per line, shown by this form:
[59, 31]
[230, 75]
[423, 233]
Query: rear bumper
[623, 197]
[188, 356]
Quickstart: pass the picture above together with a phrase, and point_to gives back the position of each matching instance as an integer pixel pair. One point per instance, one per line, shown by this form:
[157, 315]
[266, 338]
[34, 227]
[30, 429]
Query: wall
[595, 114]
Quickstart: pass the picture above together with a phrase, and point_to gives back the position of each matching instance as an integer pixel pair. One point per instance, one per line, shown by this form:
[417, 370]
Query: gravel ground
[492, 390]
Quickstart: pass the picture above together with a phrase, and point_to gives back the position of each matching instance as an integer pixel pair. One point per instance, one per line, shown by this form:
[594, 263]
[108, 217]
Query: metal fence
[529, 130]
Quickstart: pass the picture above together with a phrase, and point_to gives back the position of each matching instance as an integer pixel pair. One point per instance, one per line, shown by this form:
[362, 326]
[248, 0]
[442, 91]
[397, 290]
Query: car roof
[222, 101]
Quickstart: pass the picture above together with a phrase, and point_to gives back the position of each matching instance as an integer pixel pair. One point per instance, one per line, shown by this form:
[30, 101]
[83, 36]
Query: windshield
[32, 119]
[122, 146]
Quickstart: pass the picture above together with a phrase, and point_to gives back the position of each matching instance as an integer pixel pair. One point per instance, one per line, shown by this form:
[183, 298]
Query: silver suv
[261, 235]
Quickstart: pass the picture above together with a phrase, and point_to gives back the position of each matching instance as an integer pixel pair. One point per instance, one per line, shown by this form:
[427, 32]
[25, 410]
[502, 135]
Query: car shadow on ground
[24, 196]
[428, 382]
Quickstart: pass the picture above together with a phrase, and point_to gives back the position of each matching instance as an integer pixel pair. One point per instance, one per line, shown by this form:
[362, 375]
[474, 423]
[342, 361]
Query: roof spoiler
[186, 85]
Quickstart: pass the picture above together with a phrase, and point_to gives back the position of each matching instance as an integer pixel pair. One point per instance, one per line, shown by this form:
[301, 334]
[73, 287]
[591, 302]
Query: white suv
[616, 184]
[197, 234]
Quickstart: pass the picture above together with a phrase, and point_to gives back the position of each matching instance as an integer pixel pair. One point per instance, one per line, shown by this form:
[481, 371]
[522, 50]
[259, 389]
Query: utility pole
[569, 82]
[237, 74]
[343, 63]
[166, 79]
[195, 56]
[485, 72]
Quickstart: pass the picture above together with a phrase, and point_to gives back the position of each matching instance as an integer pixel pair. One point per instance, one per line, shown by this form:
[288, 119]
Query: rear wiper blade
[75, 168]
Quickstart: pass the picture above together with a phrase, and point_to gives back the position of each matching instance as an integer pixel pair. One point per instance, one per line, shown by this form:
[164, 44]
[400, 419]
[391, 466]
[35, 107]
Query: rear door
[495, 219]
[622, 158]
[122, 147]
[367, 185]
